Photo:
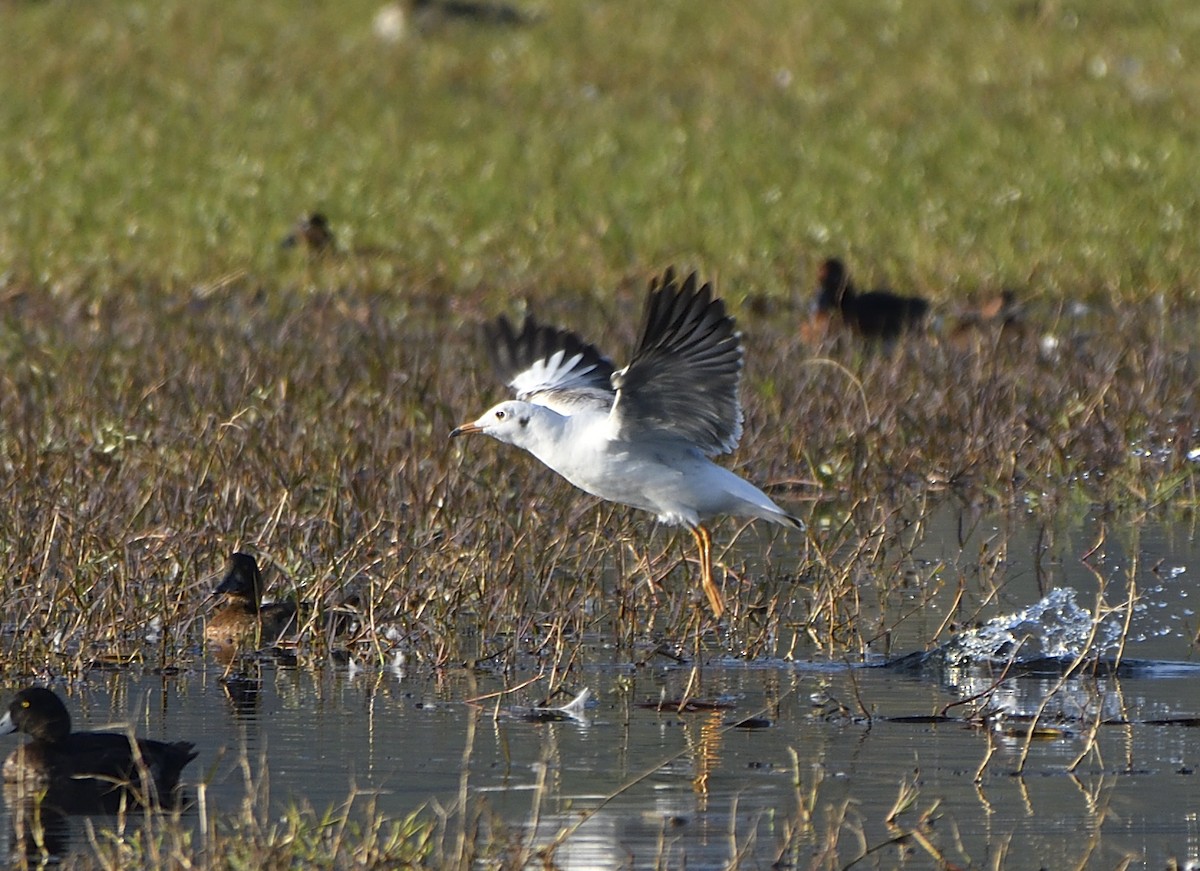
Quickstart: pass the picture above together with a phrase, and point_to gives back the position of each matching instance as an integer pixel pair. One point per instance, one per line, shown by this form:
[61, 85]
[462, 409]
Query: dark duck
[86, 771]
[877, 314]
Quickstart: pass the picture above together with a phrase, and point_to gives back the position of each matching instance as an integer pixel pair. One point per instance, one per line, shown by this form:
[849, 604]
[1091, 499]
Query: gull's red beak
[465, 429]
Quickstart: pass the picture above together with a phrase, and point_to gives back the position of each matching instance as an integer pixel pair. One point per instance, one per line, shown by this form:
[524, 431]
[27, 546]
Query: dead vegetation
[149, 434]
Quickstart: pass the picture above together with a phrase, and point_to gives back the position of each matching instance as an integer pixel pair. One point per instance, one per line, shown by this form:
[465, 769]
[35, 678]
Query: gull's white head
[508, 422]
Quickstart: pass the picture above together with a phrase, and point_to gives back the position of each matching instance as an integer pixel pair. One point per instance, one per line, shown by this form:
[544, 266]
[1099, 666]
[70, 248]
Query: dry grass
[147, 437]
[176, 387]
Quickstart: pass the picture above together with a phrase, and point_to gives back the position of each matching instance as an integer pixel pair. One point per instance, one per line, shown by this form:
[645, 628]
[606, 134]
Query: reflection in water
[48, 824]
[36, 831]
[244, 695]
[619, 837]
[704, 752]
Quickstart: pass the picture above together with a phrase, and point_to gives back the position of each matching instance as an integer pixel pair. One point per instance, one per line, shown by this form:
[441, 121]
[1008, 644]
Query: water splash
[1050, 634]
[1054, 628]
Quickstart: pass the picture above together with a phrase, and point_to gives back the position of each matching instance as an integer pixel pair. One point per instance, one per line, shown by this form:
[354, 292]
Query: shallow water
[693, 789]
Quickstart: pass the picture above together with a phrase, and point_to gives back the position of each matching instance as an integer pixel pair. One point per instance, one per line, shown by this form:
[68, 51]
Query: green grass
[1046, 145]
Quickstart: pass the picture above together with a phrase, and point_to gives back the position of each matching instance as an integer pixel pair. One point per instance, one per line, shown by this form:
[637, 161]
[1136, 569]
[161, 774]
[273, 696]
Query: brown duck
[312, 233]
[241, 621]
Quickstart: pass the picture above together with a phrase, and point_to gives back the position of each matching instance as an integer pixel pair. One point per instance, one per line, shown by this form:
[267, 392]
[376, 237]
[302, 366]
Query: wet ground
[785, 759]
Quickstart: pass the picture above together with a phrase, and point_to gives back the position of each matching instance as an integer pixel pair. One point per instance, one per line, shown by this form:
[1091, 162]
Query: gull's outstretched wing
[549, 366]
[683, 379]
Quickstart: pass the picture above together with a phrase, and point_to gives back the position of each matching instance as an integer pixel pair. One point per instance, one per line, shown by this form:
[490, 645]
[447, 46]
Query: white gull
[641, 435]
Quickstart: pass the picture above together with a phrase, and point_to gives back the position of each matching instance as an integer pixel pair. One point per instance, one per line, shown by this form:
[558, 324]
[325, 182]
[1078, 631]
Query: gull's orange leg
[704, 542]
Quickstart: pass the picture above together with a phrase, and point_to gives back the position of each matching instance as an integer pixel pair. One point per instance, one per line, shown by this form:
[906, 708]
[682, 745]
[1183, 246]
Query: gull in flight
[642, 435]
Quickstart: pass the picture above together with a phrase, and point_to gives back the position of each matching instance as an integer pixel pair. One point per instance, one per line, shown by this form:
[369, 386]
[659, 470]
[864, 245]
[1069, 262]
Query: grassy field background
[1047, 145]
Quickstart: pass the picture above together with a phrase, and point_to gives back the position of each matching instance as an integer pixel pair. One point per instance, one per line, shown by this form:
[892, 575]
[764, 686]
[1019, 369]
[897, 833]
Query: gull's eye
[499, 415]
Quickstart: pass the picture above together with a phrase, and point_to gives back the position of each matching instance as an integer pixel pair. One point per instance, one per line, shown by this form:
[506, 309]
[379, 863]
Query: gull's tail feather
[792, 521]
[775, 514]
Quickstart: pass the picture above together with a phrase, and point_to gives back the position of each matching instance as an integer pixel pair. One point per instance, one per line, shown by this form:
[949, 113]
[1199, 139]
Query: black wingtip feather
[686, 369]
[672, 310]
